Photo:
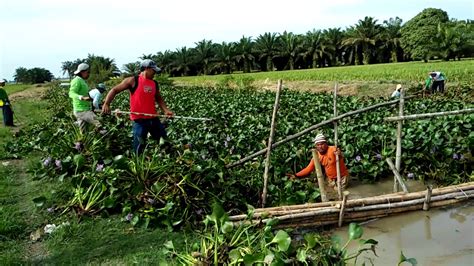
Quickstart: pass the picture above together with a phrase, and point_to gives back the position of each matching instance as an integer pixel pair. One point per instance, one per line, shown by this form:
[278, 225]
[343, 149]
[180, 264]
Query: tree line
[430, 34]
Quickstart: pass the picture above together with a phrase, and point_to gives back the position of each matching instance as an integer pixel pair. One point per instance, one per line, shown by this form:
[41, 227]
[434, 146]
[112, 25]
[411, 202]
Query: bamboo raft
[337, 212]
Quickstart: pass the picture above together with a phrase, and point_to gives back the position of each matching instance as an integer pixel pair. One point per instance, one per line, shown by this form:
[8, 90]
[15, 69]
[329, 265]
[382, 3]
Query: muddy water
[441, 236]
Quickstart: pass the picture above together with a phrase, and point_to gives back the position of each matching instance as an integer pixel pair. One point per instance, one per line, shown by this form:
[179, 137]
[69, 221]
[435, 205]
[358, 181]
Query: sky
[45, 33]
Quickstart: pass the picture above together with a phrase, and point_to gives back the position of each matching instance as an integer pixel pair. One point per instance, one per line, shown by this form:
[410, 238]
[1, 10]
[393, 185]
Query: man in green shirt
[79, 93]
[5, 105]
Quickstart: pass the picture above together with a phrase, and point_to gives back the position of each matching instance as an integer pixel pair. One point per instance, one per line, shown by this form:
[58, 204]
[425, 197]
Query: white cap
[399, 86]
[319, 138]
[81, 67]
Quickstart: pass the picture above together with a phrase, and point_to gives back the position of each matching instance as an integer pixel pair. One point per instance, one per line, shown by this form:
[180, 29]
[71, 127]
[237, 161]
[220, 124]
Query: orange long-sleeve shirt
[328, 161]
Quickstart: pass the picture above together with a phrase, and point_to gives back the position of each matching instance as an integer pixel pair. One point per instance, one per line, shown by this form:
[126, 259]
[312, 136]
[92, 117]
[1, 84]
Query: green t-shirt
[3, 95]
[78, 88]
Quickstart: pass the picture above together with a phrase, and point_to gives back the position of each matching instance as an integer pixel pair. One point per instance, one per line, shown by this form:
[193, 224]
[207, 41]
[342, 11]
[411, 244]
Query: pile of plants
[172, 183]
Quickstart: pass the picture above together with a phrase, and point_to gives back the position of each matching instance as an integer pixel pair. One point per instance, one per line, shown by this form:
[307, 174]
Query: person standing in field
[96, 95]
[144, 93]
[436, 80]
[327, 158]
[5, 105]
[79, 93]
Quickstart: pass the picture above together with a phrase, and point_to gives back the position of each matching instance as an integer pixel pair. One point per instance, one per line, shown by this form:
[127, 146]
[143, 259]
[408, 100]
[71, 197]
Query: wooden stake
[319, 175]
[397, 175]
[270, 141]
[426, 204]
[398, 157]
[312, 128]
[338, 167]
[343, 205]
[428, 115]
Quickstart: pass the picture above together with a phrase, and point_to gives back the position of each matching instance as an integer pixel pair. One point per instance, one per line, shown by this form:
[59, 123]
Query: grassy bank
[26, 206]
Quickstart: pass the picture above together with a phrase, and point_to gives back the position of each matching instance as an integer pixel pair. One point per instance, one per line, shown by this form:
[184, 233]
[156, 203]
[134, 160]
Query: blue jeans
[141, 128]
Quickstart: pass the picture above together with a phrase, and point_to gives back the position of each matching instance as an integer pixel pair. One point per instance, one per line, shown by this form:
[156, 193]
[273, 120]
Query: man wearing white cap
[144, 92]
[396, 92]
[327, 158]
[79, 93]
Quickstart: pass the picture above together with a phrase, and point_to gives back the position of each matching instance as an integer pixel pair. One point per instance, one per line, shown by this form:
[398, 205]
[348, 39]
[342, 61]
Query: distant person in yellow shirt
[5, 105]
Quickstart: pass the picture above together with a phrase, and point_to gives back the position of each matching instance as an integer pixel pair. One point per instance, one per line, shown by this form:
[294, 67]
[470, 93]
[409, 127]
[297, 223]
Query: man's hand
[85, 98]
[169, 114]
[105, 109]
[291, 176]
[338, 152]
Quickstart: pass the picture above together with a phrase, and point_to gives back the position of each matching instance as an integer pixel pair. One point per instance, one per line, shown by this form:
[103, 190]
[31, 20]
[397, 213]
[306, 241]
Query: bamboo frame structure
[398, 156]
[428, 115]
[397, 175]
[319, 176]
[270, 141]
[312, 128]
[338, 167]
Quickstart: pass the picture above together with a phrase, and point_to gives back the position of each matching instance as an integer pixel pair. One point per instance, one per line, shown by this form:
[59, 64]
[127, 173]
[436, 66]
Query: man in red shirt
[327, 158]
[143, 95]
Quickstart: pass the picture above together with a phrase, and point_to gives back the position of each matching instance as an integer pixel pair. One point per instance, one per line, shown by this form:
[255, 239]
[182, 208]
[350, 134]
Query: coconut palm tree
[165, 60]
[333, 39]
[364, 36]
[68, 67]
[131, 69]
[266, 46]
[182, 61]
[315, 48]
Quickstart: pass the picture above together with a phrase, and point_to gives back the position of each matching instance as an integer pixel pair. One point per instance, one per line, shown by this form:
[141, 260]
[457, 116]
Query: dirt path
[33, 92]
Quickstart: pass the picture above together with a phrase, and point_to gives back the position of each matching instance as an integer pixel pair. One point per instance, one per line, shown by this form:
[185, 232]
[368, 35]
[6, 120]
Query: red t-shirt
[328, 161]
[142, 100]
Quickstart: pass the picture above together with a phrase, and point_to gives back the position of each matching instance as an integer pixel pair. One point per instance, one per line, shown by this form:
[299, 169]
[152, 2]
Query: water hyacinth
[58, 164]
[129, 217]
[411, 175]
[78, 146]
[51, 209]
[47, 161]
[99, 167]
[151, 201]
[378, 156]
[358, 158]
[226, 143]
[455, 156]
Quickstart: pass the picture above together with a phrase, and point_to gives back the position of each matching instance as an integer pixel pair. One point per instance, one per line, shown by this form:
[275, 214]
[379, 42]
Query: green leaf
[39, 201]
[355, 231]
[234, 255]
[283, 240]
[218, 212]
[250, 259]
[227, 227]
[169, 245]
[79, 160]
[301, 255]
[311, 240]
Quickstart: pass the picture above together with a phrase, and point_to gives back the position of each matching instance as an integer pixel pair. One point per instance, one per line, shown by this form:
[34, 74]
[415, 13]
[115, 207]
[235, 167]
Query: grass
[407, 72]
[101, 240]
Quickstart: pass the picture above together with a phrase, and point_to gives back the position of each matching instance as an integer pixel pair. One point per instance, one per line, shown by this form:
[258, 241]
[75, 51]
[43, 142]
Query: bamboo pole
[341, 213]
[428, 115]
[319, 176]
[270, 141]
[426, 204]
[393, 197]
[157, 115]
[461, 192]
[398, 156]
[312, 128]
[397, 175]
[338, 167]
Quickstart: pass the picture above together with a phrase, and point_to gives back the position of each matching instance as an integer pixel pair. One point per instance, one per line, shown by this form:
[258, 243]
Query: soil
[33, 92]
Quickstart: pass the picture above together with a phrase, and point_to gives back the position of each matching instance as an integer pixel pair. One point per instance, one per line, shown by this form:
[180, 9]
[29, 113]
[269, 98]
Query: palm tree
[391, 35]
[204, 54]
[244, 54]
[290, 48]
[364, 36]
[165, 60]
[447, 42]
[315, 48]
[68, 67]
[131, 69]
[224, 57]
[266, 46]
[333, 39]
[182, 62]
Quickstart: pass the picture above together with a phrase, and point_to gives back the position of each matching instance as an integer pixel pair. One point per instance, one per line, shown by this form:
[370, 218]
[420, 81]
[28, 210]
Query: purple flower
[99, 167]
[378, 156]
[47, 161]
[203, 157]
[358, 158]
[129, 217]
[461, 157]
[455, 156]
[410, 175]
[228, 138]
[78, 146]
[50, 209]
[226, 143]
[151, 201]
[58, 164]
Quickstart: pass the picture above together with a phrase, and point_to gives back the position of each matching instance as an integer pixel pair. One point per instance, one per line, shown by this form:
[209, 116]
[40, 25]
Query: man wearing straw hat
[143, 95]
[327, 158]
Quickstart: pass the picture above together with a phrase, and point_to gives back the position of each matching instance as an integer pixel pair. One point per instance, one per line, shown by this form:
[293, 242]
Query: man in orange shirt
[327, 158]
